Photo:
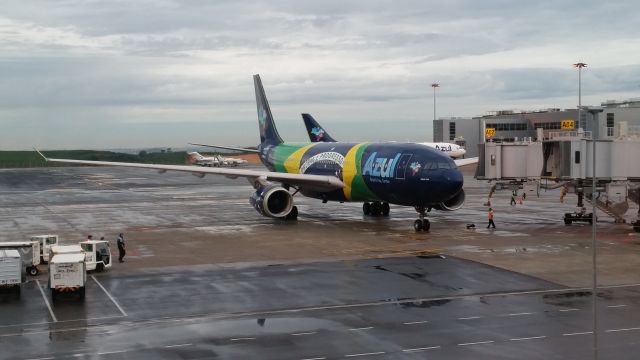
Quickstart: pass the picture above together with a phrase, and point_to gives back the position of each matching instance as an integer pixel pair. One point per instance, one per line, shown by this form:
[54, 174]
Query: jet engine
[452, 204]
[272, 200]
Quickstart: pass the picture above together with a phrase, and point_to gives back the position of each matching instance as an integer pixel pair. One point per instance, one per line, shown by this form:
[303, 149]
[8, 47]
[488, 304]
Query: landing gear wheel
[293, 215]
[33, 271]
[366, 208]
[376, 208]
[426, 225]
[422, 223]
[385, 209]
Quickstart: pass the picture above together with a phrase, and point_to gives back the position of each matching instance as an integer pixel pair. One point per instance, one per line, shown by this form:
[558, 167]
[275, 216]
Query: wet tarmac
[208, 277]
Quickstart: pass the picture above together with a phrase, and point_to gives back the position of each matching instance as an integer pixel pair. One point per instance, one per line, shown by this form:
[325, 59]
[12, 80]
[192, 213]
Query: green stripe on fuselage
[282, 152]
[359, 189]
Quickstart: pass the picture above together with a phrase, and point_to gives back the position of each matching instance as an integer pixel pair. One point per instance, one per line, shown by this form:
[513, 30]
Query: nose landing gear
[422, 224]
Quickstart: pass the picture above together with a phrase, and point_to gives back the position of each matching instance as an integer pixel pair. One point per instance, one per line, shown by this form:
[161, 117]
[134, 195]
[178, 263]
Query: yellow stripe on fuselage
[349, 170]
[292, 164]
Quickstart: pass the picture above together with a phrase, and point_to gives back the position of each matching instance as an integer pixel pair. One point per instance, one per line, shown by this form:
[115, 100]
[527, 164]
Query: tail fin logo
[318, 132]
[262, 118]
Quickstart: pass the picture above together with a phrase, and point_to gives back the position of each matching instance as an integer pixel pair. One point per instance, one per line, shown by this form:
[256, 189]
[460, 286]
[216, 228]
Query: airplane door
[401, 168]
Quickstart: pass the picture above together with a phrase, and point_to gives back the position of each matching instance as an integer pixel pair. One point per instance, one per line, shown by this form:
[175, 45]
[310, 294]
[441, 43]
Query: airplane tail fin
[192, 157]
[315, 131]
[268, 132]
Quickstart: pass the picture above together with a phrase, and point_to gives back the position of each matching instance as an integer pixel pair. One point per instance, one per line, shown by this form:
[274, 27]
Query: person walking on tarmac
[121, 248]
[513, 199]
[491, 223]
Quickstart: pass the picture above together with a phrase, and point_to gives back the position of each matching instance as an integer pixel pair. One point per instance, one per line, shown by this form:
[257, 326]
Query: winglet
[39, 153]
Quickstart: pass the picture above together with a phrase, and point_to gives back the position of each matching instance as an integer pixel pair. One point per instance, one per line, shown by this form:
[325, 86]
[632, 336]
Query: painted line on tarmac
[421, 349]
[46, 301]
[366, 354]
[578, 333]
[627, 329]
[109, 295]
[476, 343]
[177, 345]
[113, 352]
[361, 328]
[415, 322]
[315, 358]
[528, 338]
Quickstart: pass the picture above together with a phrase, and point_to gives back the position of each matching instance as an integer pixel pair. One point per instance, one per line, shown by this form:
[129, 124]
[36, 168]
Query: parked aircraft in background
[195, 158]
[318, 134]
[377, 174]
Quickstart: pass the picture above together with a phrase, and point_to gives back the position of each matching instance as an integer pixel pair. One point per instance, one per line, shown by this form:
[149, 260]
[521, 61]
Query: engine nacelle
[452, 204]
[272, 200]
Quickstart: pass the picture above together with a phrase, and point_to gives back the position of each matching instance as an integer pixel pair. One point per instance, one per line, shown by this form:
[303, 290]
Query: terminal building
[512, 126]
[568, 149]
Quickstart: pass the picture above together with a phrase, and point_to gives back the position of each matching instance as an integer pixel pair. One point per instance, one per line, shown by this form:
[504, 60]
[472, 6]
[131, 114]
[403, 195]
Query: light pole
[434, 86]
[594, 286]
[580, 65]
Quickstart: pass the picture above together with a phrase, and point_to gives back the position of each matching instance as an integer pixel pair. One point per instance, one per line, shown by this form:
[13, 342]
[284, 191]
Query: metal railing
[570, 134]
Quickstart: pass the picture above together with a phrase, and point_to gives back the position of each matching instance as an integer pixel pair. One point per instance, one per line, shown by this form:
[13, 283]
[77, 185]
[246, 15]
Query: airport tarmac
[208, 277]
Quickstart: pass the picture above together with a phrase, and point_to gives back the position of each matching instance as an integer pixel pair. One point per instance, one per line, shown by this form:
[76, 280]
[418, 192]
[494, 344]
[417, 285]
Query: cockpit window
[440, 164]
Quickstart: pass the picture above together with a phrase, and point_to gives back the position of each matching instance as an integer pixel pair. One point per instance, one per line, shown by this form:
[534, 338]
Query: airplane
[230, 161]
[318, 134]
[195, 158]
[376, 174]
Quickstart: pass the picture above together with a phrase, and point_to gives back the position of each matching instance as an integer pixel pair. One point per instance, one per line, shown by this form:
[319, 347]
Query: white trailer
[29, 252]
[46, 242]
[67, 274]
[64, 249]
[97, 254]
[12, 273]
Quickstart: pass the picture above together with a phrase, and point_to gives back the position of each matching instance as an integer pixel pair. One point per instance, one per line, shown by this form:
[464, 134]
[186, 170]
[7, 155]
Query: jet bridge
[565, 160]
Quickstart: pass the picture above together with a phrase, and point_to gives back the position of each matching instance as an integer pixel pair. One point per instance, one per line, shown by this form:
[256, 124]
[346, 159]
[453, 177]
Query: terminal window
[508, 126]
[555, 125]
[452, 130]
[610, 120]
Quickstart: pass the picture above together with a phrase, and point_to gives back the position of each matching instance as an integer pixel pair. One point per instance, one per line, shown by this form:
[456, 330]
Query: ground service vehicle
[97, 254]
[11, 271]
[65, 249]
[46, 241]
[29, 252]
[67, 274]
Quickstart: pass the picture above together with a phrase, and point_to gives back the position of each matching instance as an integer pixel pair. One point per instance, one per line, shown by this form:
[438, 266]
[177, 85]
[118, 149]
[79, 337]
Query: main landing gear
[376, 208]
[292, 215]
[421, 224]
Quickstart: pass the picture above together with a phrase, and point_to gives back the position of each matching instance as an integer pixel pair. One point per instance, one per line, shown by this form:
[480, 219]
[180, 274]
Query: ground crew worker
[491, 223]
[121, 247]
[513, 199]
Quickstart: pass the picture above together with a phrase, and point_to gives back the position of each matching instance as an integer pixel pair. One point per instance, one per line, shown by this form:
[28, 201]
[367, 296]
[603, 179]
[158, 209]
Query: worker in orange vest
[491, 223]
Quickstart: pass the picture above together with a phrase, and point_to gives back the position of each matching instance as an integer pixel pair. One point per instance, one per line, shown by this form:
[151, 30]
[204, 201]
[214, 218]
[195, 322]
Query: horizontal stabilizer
[469, 161]
[228, 148]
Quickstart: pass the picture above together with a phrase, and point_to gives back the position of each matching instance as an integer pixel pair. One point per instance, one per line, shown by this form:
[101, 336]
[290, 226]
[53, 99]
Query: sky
[154, 73]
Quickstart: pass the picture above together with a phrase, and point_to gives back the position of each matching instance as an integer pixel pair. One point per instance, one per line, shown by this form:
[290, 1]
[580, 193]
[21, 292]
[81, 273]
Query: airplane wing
[228, 148]
[462, 162]
[316, 182]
